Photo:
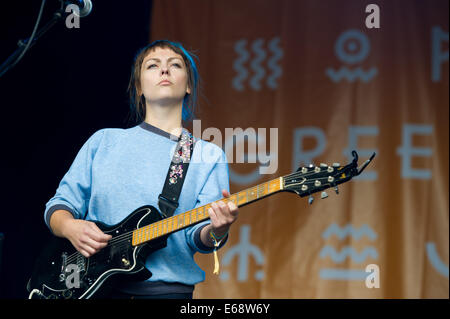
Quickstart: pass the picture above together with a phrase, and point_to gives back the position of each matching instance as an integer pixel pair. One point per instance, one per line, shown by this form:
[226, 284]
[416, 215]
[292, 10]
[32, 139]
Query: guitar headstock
[312, 179]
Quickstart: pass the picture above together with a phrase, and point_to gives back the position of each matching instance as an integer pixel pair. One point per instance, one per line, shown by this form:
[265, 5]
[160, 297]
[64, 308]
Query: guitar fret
[194, 215]
[233, 199]
[179, 221]
[262, 190]
[146, 233]
[150, 232]
[242, 198]
[175, 222]
[252, 193]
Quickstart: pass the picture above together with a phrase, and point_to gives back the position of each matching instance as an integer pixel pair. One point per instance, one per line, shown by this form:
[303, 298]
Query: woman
[119, 170]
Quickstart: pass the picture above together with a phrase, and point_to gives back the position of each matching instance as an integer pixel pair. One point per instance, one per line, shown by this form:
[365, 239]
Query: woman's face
[164, 76]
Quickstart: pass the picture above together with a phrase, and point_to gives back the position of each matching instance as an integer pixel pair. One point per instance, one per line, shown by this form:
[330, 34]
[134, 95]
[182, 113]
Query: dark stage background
[70, 84]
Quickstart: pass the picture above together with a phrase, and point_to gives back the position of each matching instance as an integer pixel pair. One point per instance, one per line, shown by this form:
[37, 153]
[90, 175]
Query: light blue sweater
[119, 170]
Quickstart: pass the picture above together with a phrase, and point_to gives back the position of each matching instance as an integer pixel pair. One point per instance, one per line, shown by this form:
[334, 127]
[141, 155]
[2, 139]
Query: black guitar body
[62, 272]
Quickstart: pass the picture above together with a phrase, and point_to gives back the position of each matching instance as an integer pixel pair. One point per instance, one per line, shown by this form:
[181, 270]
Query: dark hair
[137, 102]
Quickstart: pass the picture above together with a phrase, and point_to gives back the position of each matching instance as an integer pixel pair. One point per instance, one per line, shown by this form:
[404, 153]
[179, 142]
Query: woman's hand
[85, 236]
[222, 216]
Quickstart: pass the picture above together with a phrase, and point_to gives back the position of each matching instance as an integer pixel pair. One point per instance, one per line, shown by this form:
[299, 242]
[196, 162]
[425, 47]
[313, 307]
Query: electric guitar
[61, 272]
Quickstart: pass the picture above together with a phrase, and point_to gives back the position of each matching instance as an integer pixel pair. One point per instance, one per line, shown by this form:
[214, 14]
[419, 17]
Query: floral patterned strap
[182, 155]
[168, 199]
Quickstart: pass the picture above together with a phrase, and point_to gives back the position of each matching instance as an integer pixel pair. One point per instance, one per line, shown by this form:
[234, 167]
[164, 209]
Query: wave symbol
[256, 64]
[351, 75]
[348, 251]
[242, 73]
[348, 230]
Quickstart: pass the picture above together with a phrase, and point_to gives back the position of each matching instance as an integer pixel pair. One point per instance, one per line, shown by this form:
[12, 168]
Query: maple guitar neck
[177, 222]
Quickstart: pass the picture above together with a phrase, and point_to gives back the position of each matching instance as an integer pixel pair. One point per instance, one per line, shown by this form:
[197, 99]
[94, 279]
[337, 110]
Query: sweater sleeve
[217, 180]
[74, 190]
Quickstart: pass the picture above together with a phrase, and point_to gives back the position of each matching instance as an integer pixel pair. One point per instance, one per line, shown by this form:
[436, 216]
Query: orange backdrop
[314, 71]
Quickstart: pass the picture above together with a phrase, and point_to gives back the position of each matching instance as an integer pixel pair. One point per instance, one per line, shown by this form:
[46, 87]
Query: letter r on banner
[302, 157]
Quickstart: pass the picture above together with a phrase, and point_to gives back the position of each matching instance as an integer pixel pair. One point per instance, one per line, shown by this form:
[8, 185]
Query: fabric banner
[301, 82]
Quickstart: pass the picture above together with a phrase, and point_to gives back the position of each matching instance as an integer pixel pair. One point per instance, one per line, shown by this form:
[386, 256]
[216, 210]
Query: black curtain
[71, 83]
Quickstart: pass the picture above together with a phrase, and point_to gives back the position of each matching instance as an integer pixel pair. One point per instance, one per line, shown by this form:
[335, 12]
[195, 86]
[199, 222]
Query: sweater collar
[156, 130]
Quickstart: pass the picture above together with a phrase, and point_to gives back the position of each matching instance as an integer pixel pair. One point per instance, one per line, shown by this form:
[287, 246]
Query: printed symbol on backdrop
[243, 250]
[352, 47]
[438, 56]
[347, 251]
[257, 76]
[435, 260]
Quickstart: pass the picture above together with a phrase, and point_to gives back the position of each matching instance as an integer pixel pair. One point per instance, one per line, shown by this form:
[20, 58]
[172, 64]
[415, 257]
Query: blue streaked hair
[137, 102]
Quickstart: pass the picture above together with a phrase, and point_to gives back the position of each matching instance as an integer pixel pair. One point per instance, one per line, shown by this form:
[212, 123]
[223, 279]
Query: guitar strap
[168, 199]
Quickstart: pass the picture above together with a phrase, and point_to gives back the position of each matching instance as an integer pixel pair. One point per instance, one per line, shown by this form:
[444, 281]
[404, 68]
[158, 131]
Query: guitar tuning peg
[336, 164]
[323, 195]
[336, 189]
[323, 165]
[310, 199]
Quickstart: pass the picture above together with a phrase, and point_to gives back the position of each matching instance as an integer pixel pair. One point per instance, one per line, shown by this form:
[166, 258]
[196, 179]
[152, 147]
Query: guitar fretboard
[177, 222]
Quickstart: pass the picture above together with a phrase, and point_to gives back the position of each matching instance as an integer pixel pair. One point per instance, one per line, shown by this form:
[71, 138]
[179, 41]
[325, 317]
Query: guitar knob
[323, 195]
[125, 262]
[67, 294]
[310, 199]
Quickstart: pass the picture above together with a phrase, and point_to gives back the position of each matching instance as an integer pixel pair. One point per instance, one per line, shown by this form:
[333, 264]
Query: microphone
[84, 6]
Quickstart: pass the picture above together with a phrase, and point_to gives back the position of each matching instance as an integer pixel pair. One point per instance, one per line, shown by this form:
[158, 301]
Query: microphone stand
[9, 63]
